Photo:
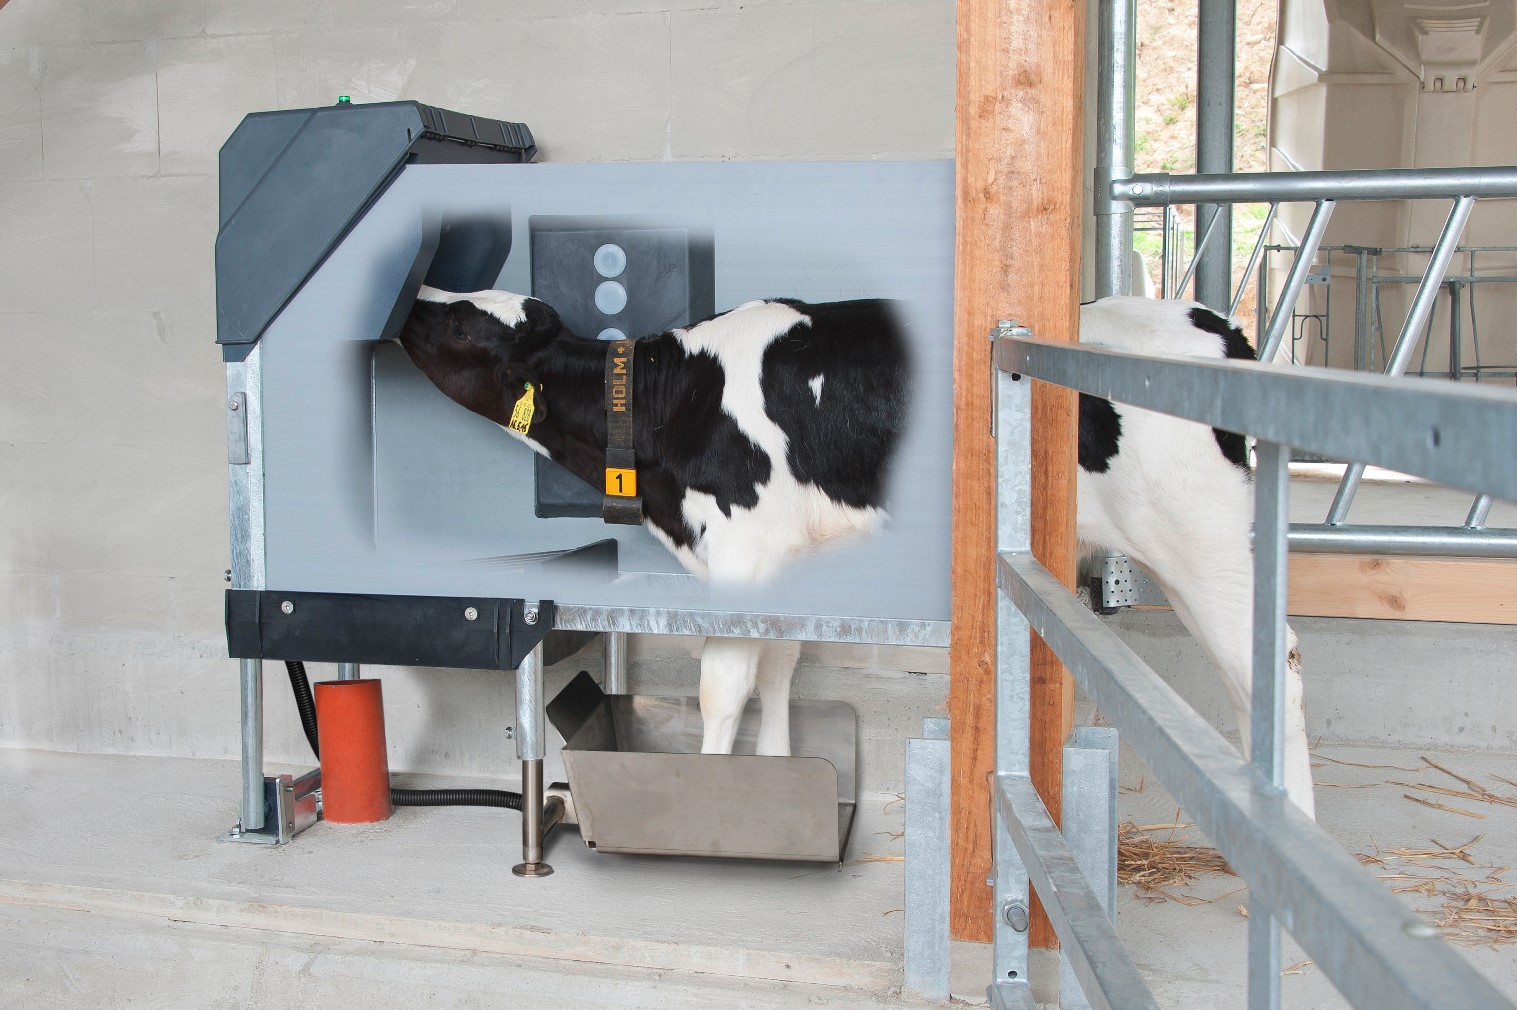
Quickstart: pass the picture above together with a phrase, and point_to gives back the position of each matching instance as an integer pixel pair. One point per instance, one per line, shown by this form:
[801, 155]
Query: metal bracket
[1124, 584]
[290, 806]
[237, 429]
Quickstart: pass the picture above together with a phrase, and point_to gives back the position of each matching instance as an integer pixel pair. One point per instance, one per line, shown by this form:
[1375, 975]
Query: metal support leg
[927, 857]
[252, 746]
[1011, 889]
[537, 817]
[348, 671]
[1456, 338]
[1089, 824]
[1267, 714]
[616, 662]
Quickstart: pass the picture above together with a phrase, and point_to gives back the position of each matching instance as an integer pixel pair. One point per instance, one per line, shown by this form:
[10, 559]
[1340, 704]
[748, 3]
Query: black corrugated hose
[306, 704]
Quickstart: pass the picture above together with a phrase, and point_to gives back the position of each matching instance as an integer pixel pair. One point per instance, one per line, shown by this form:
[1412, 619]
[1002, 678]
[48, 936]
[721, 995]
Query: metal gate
[1378, 953]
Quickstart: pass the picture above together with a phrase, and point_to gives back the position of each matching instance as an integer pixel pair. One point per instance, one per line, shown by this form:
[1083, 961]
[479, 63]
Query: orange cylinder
[355, 767]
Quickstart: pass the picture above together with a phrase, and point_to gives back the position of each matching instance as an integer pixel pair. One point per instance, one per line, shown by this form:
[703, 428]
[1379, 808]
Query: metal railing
[1377, 952]
[1325, 190]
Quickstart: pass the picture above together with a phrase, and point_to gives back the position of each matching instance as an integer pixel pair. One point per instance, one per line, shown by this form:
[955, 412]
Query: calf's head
[479, 348]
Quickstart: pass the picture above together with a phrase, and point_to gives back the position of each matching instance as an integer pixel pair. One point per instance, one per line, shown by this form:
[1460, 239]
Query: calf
[766, 432]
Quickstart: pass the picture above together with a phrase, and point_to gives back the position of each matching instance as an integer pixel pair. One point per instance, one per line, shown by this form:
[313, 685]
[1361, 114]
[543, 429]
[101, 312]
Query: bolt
[232, 404]
[1140, 189]
[1420, 930]
[470, 614]
[287, 607]
[530, 616]
[510, 732]
[1014, 913]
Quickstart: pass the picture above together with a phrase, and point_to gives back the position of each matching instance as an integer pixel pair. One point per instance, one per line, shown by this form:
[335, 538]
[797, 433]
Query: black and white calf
[766, 433]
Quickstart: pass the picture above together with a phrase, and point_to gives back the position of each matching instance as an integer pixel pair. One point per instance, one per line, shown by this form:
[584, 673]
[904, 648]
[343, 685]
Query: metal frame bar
[1114, 149]
[1158, 189]
[1107, 975]
[1295, 280]
[1425, 427]
[1216, 80]
[1012, 413]
[1421, 315]
[1377, 952]
[929, 783]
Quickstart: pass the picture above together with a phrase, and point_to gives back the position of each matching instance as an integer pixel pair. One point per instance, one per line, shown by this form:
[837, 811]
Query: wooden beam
[1462, 590]
[1018, 145]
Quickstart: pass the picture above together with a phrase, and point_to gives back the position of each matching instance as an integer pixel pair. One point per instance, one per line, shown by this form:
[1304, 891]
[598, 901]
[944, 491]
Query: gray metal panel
[1377, 952]
[1455, 434]
[376, 483]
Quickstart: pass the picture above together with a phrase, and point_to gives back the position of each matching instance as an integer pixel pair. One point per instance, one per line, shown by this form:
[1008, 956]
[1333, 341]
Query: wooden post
[1020, 115]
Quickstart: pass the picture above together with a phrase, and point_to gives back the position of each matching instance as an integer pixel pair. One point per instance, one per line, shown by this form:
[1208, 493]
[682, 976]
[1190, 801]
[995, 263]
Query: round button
[610, 297]
[610, 333]
[610, 260]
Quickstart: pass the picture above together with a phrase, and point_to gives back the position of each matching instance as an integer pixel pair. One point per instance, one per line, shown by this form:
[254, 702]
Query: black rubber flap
[572, 707]
[389, 630]
[294, 182]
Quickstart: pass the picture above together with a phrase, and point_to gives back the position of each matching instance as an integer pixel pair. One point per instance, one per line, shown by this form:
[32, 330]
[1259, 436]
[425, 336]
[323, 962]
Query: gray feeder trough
[639, 783]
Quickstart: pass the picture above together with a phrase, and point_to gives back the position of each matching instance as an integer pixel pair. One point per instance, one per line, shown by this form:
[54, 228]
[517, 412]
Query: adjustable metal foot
[538, 817]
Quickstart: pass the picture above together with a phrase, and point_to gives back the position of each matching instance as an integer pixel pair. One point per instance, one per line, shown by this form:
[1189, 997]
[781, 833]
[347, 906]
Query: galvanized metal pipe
[1406, 343]
[1253, 261]
[616, 662]
[1195, 260]
[1280, 319]
[1216, 59]
[1114, 145]
[531, 731]
[251, 672]
[1467, 541]
[1480, 511]
[1158, 189]
[348, 671]
[531, 707]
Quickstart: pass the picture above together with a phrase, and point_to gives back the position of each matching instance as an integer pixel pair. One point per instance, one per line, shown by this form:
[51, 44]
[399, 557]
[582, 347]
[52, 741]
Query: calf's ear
[542, 324]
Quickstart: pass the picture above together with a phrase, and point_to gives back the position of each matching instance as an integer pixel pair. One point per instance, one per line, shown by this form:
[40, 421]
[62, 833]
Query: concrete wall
[113, 533]
[112, 456]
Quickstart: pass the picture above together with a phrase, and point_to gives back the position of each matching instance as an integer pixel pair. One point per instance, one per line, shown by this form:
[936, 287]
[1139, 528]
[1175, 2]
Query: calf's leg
[729, 668]
[776, 666]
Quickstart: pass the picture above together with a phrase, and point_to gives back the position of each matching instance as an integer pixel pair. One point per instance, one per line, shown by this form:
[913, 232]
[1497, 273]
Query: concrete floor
[116, 892]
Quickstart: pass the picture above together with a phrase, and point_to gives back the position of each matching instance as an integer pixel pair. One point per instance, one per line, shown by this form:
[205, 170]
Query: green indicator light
[344, 99]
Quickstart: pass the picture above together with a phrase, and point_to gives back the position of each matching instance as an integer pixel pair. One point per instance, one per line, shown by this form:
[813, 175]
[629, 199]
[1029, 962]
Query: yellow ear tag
[521, 414]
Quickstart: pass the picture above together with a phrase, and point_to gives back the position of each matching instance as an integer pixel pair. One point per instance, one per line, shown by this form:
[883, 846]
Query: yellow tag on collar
[621, 483]
[526, 407]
